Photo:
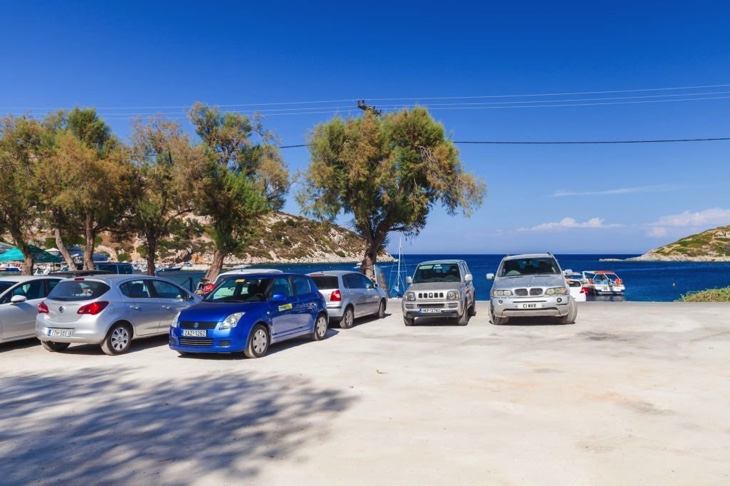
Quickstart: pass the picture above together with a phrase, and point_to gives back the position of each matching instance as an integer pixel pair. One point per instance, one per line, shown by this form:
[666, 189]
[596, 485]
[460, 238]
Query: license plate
[194, 332]
[530, 306]
[430, 311]
[60, 332]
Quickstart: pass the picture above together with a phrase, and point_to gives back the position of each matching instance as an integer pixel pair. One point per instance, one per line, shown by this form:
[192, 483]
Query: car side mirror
[409, 280]
[490, 276]
[17, 299]
[278, 298]
[468, 277]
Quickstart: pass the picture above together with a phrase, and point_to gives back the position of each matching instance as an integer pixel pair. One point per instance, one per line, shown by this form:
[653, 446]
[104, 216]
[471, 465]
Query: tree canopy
[388, 172]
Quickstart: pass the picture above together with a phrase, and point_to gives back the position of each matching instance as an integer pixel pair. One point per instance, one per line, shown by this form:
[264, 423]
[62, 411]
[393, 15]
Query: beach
[632, 393]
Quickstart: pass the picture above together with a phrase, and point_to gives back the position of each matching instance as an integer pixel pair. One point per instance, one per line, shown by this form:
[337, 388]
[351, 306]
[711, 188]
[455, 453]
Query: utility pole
[361, 104]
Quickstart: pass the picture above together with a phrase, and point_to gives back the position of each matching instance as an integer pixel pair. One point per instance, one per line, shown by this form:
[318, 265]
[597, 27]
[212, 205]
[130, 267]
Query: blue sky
[603, 70]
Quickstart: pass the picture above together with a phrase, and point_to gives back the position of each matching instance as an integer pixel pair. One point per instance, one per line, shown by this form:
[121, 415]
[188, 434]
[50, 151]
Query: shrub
[711, 295]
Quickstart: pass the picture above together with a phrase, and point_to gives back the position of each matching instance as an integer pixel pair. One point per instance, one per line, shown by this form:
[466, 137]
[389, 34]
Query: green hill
[710, 245]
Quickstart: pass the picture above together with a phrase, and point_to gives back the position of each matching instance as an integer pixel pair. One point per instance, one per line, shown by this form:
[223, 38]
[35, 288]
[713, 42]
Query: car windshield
[74, 290]
[239, 289]
[325, 282]
[529, 266]
[437, 272]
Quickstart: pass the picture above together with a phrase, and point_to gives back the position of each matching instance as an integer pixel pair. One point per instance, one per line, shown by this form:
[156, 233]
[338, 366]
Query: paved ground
[633, 393]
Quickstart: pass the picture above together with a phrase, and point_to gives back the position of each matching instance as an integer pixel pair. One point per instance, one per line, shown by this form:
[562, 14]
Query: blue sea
[645, 281]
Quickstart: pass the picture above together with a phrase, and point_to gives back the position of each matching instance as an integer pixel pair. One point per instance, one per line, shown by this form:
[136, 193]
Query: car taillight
[93, 309]
[42, 308]
[208, 287]
[336, 296]
[584, 290]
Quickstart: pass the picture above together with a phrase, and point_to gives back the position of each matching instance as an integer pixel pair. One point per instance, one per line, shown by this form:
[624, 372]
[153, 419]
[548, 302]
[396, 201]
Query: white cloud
[623, 190]
[570, 223]
[697, 221]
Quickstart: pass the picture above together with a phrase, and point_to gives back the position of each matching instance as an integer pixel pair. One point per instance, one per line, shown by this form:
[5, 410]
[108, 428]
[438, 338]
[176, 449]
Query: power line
[582, 142]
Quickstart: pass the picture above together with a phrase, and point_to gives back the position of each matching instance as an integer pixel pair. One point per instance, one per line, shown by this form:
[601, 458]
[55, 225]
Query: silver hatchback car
[110, 310]
[349, 295]
[19, 299]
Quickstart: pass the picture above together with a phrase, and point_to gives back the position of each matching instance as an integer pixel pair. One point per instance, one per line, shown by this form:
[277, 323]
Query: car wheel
[408, 321]
[117, 340]
[320, 328]
[348, 319]
[572, 314]
[381, 309]
[258, 342]
[54, 347]
[464, 319]
[473, 309]
[499, 321]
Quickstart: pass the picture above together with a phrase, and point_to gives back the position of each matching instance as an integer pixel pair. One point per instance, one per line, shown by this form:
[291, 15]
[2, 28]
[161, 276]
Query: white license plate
[194, 332]
[60, 332]
[530, 306]
[430, 311]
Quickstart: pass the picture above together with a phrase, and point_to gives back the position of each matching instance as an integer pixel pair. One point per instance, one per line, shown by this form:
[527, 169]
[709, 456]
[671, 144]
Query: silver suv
[442, 288]
[531, 285]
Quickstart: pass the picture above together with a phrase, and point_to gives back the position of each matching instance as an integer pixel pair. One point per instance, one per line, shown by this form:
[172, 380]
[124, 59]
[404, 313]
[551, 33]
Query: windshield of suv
[239, 289]
[437, 272]
[529, 266]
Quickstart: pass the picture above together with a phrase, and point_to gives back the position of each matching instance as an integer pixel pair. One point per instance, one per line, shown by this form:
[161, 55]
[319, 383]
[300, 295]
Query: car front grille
[430, 295]
[201, 324]
[203, 342]
[526, 292]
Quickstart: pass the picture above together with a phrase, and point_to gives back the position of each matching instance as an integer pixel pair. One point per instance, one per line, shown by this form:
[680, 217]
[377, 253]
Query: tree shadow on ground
[92, 427]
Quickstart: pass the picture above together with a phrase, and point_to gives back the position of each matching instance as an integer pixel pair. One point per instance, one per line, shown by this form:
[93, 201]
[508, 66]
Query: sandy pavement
[633, 393]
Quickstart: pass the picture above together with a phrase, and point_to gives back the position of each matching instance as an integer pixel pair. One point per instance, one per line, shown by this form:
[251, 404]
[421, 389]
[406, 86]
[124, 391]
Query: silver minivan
[350, 294]
[109, 310]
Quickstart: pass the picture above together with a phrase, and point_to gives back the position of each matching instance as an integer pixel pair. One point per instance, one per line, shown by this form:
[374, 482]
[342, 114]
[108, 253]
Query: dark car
[247, 313]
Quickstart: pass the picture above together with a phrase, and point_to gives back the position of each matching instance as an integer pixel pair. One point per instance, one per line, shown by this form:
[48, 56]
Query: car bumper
[506, 307]
[335, 312]
[413, 309]
[79, 332]
[214, 341]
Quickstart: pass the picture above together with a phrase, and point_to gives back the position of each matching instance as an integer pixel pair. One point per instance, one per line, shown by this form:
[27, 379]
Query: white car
[577, 290]
[19, 299]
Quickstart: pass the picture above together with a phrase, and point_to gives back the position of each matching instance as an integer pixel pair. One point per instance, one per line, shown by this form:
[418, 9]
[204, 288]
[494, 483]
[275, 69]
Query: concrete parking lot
[633, 393]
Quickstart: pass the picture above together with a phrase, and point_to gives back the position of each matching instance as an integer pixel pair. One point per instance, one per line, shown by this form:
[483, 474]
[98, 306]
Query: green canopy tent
[13, 254]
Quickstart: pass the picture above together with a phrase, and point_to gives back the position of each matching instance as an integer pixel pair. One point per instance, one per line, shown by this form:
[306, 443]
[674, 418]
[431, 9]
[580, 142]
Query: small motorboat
[603, 282]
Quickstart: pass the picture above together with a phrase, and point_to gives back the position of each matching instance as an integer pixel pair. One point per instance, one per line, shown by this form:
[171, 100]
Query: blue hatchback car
[248, 313]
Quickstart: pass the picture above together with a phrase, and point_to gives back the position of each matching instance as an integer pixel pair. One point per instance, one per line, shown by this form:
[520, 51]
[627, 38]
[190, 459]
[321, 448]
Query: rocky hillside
[709, 246]
[285, 239]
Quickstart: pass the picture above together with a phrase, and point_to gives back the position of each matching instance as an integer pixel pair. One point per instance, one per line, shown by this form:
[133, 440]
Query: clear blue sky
[472, 64]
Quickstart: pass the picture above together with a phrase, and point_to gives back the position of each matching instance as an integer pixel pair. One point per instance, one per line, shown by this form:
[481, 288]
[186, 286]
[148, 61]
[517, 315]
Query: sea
[645, 281]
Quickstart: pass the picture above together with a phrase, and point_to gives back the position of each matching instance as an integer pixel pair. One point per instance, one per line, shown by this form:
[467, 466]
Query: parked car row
[249, 310]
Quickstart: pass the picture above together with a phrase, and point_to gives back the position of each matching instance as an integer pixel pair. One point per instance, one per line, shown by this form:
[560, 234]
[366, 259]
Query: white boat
[603, 282]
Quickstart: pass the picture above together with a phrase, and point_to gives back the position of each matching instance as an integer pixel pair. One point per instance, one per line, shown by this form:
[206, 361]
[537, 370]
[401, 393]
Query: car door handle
[167, 307]
[135, 307]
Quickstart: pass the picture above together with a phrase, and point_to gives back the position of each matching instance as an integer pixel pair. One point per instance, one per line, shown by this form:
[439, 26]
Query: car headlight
[176, 320]
[410, 296]
[452, 295]
[556, 291]
[231, 321]
[501, 293]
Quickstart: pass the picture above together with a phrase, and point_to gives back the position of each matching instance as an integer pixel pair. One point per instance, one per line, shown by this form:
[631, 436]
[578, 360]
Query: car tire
[473, 309]
[348, 319]
[408, 321]
[464, 318]
[258, 342]
[499, 321]
[53, 346]
[117, 340]
[381, 309]
[572, 314]
[320, 328]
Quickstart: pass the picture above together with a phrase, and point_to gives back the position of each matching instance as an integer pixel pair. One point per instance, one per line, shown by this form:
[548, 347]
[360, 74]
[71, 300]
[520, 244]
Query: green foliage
[711, 295]
[387, 172]
[124, 257]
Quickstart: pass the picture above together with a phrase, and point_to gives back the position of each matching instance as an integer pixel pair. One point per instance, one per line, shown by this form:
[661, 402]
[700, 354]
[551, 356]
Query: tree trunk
[62, 248]
[368, 263]
[216, 266]
[28, 263]
[151, 252]
[89, 246]
[27, 254]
